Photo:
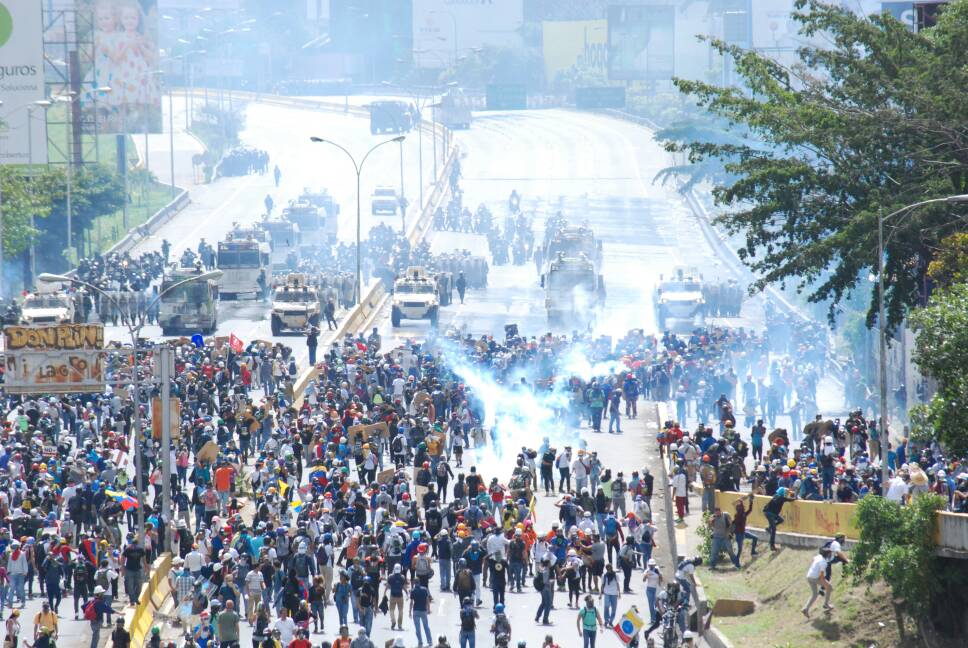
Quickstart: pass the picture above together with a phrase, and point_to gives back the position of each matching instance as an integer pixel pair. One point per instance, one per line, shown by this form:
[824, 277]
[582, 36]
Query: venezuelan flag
[127, 502]
[297, 506]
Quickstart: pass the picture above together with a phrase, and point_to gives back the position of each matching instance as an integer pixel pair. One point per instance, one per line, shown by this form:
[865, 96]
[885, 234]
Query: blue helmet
[499, 608]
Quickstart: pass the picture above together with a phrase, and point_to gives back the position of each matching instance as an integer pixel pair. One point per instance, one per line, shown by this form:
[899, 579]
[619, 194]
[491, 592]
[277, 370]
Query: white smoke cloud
[517, 414]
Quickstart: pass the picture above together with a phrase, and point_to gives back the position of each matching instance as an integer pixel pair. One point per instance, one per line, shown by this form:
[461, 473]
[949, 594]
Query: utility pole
[166, 369]
[403, 200]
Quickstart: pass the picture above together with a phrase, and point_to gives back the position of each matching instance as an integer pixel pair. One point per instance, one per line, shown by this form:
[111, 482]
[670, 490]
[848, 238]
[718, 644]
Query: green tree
[95, 191]
[950, 263]
[19, 200]
[941, 351]
[896, 547]
[868, 123]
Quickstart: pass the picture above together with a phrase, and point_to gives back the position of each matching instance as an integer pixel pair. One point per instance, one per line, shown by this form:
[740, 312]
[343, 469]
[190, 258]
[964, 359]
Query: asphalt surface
[284, 133]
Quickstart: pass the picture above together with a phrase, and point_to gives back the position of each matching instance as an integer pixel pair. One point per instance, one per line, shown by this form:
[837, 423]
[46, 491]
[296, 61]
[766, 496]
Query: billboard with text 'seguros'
[21, 82]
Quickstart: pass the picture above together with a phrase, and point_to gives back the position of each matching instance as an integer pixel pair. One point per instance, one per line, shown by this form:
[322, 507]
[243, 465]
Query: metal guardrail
[152, 225]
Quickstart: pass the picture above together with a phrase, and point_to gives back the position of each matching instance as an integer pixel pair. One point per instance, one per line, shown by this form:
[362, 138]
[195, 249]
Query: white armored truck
[295, 305]
[678, 300]
[415, 297]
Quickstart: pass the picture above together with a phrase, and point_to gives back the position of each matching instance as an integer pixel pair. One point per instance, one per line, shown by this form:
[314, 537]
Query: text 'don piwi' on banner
[62, 359]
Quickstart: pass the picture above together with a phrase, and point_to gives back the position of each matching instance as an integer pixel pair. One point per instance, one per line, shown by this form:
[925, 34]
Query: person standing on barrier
[329, 310]
[312, 342]
[739, 527]
[772, 512]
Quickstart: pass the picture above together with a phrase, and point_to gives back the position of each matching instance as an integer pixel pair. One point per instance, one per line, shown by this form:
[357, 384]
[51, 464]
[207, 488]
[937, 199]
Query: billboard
[21, 82]
[569, 44]
[60, 359]
[641, 42]
[125, 42]
[200, 5]
[444, 30]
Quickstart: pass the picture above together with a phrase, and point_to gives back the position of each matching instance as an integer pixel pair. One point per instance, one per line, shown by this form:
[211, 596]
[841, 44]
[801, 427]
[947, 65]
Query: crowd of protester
[317, 514]
[306, 514]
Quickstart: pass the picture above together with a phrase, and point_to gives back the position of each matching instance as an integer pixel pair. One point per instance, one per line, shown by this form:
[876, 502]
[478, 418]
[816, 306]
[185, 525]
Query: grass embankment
[109, 229]
[776, 582]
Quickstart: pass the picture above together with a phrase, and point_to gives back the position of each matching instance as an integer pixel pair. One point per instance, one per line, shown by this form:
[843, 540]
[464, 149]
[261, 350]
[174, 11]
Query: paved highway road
[594, 169]
[284, 133]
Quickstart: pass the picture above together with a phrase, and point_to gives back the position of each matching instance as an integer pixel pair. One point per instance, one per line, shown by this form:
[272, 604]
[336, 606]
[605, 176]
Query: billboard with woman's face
[125, 40]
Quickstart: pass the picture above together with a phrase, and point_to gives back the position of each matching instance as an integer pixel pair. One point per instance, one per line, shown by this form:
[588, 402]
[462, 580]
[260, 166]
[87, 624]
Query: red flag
[235, 343]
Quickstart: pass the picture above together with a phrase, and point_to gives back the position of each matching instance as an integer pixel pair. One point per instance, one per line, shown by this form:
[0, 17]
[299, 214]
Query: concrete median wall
[153, 596]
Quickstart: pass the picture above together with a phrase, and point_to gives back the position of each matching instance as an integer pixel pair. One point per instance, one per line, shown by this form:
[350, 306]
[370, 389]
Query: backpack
[538, 582]
[90, 611]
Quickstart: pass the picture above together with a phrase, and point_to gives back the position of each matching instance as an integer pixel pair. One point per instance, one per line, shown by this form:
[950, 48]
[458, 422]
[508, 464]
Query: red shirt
[300, 643]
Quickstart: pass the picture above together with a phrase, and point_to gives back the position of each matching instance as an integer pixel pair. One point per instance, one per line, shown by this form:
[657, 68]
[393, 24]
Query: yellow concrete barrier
[799, 516]
[153, 594]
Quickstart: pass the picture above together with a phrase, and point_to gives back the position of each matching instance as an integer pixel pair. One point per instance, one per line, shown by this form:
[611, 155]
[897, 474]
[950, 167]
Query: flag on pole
[235, 343]
[283, 488]
[127, 502]
[629, 625]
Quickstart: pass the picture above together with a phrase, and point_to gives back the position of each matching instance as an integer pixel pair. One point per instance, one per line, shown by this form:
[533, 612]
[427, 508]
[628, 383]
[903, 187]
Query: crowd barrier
[799, 516]
[153, 596]
[827, 519]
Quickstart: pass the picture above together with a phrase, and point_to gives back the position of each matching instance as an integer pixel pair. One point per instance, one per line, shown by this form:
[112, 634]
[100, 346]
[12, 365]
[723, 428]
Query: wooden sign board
[385, 476]
[209, 452]
[174, 418]
[374, 429]
[420, 398]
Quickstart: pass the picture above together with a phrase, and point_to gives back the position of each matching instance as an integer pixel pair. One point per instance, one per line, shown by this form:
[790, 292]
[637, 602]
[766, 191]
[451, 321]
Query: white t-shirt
[835, 548]
[193, 560]
[651, 578]
[897, 490]
[685, 570]
[286, 628]
[496, 543]
[578, 470]
[817, 567]
[680, 485]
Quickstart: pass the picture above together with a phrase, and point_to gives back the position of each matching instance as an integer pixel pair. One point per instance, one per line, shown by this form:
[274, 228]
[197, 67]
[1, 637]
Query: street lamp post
[453, 19]
[30, 160]
[419, 102]
[68, 98]
[403, 198]
[882, 322]
[45, 104]
[134, 328]
[359, 171]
